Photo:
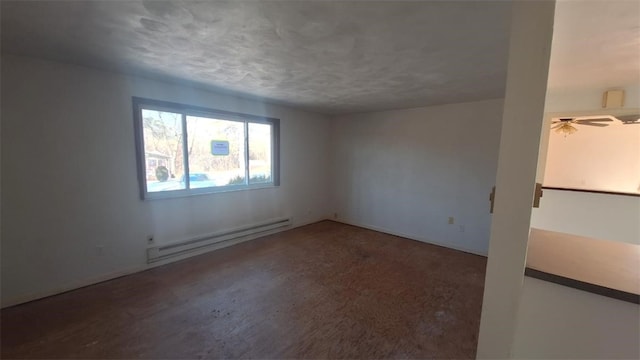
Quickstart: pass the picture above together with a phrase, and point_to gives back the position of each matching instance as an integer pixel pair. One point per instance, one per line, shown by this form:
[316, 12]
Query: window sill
[203, 191]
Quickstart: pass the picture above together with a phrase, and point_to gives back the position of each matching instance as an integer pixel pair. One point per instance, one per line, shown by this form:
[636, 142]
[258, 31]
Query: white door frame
[529, 52]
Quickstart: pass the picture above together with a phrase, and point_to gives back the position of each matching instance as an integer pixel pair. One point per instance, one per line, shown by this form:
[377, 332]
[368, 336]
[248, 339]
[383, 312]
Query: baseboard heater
[158, 253]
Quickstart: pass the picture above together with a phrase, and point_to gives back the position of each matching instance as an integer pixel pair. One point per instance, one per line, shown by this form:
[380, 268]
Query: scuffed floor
[325, 290]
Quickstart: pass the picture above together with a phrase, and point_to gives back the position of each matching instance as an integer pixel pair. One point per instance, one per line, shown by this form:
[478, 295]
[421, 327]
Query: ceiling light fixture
[565, 125]
[566, 129]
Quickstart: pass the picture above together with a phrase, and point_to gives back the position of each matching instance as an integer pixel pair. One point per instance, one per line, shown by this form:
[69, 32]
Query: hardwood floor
[325, 290]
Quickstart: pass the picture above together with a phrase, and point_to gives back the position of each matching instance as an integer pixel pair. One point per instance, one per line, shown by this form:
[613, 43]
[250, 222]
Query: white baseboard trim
[114, 275]
[135, 269]
[409, 236]
[71, 286]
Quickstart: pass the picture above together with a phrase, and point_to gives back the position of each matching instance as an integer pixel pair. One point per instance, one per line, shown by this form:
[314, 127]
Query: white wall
[556, 322]
[601, 216]
[406, 171]
[70, 185]
[598, 158]
[587, 99]
[594, 158]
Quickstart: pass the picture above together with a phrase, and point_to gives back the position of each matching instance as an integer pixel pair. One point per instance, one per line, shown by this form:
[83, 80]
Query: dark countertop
[604, 267]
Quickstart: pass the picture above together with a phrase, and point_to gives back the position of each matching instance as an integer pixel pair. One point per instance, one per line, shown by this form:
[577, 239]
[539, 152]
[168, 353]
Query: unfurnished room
[320, 179]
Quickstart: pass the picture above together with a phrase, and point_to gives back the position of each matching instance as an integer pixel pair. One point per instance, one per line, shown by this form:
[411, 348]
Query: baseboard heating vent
[158, 253]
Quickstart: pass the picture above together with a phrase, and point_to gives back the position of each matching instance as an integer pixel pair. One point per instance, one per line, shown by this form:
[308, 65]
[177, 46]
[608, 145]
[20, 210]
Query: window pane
[260, 153]
[163, 154]
[216, 152]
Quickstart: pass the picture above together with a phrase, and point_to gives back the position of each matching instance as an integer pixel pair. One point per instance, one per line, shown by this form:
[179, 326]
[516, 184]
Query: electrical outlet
[450, 220]
[335, 215]
[150, 239]
[461, 228]
[100, 250]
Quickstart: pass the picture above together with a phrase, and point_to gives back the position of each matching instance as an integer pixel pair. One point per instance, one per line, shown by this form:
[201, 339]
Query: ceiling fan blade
[631, 118]
[593, 120]
[557, 126]
[592, 124]
[562, 121]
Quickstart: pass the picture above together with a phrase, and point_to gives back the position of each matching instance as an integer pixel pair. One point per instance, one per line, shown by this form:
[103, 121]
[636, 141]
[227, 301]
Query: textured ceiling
[596, 44]
[331, 56]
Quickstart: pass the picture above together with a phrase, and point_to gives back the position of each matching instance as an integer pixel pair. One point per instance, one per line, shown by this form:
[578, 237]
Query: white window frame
[140, 104]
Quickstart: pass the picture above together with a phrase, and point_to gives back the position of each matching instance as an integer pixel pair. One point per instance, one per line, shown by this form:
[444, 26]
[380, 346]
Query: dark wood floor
[325, 290]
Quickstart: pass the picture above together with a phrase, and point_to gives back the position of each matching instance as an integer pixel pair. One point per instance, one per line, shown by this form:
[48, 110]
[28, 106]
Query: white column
[530, 46]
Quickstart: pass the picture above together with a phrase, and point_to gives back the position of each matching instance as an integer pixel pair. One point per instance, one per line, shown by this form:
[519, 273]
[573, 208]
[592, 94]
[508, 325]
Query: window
[185, 150]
